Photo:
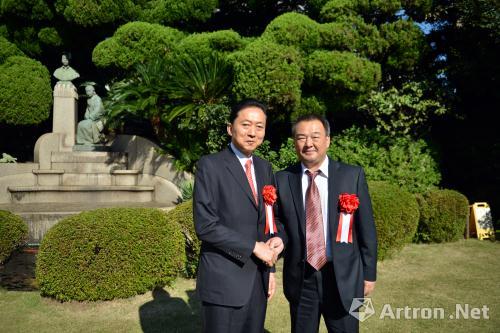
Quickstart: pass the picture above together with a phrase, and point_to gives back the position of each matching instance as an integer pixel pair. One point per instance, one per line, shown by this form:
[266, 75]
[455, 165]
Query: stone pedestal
[65, 117]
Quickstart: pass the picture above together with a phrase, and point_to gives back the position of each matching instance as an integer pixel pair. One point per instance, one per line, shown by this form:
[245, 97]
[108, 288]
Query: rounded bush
[183, 215]
[269, 72]
[443, 216]
[134, 43]
[25, 91]
[342, 72]
[50, 36]
[396, 217]
[13, 233]
[109, 253]
[294, 29]
[203, 44]
[8, 49]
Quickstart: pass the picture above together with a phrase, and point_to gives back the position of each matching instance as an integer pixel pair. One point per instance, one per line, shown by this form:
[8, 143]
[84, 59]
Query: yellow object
[480, 221]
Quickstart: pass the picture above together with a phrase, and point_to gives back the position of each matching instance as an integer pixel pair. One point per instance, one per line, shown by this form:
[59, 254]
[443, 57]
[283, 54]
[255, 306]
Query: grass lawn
[421, 276]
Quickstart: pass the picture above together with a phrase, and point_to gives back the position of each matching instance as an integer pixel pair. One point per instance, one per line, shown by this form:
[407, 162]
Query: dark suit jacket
[353, 262]
[228, 222]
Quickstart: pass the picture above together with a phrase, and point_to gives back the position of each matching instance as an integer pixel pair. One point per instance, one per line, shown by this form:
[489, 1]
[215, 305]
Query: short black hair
[311, 117]
[67, 55]
[245, 104]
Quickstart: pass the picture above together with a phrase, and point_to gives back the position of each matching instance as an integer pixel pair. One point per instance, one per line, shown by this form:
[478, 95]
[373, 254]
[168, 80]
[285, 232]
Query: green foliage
[406, 45]
[342, 75]
[96, 12]
[352, 34]
[109, 253]
[134, 43]
[8, 49]
[308, 105]
[187, 188]
[294, 29]
[396, 217]
[285, 157]
[269, 72]
[25, 91]
[203, 44]
[404, 111]
[371, 9]
[99, 12]
[50, 36]
[178, 11]
[13, 233]
[401, 161]
[443, 216]
[182, 214]
[27, 9]
[183, 100]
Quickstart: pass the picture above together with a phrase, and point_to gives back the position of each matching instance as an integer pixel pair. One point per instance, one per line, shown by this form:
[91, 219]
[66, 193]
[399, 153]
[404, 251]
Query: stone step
[89, 157]
[88, 193]
[60, 177]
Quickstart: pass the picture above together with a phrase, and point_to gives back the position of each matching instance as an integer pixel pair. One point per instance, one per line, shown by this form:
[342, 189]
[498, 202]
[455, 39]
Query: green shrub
[50, 36]
[25, 91]
[205, 43]
[338, 9]
[269, 72]
[8, 49]
[406, 45]
[341, 74]
[109, 253]
[443, 216]
[396, 217]
[183, 215]
[134, 43]
[352, 34]
[400, 161]
[294, 29]
[13, 233]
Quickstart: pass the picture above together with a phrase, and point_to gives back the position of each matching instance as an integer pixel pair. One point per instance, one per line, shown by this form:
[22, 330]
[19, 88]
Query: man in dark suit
[234, 279]
[325, 265]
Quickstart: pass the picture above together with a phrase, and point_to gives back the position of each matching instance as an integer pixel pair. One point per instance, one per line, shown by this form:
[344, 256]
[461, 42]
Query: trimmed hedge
[25, 91]
[13, 233]
[269, 72]
[183, 215]
[134, 43]
[294, 29]
[109, 253]
[443, 216]
[8, 49]
[396, 217]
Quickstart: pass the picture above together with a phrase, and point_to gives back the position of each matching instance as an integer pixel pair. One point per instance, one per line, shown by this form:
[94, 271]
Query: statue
[65, 73]
[89, 130]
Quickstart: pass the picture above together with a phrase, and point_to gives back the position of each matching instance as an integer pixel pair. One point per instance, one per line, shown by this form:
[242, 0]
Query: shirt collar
[323, 167]
[242, 157]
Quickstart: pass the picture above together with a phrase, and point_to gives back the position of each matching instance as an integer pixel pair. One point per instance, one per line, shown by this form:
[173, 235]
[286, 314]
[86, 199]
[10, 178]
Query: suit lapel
[260, 180]
[236, 170]
[295, 182]
[333, 194]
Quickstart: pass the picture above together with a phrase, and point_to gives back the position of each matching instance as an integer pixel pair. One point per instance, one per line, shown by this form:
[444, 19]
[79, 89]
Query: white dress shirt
[321, 181]
[243, 160]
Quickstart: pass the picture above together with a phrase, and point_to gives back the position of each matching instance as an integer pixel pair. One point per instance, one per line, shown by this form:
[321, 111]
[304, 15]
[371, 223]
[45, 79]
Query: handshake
[269, 251]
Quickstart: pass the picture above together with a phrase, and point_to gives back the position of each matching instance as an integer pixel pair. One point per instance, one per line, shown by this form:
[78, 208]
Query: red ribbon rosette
[348, 204]
[269, 195]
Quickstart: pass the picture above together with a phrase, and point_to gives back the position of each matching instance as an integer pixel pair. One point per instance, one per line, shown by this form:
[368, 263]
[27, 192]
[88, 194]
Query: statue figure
[89, 130]
[65, 73]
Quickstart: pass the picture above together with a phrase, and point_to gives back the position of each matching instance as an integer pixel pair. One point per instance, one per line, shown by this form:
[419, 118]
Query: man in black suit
[234, 279]
[325, 265]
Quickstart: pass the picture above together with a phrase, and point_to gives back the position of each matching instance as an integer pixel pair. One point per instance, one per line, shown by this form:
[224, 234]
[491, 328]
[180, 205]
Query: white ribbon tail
[346, 222]
[270, 218]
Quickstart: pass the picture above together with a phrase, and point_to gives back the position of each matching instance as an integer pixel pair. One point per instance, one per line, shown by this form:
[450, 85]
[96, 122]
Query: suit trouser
[320, 296]
[245, 319]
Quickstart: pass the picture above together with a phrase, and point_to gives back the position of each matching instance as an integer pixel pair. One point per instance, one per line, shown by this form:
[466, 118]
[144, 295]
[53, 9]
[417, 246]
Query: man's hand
[369, 287]
[276, 244]
[265, 253]
[272, 286]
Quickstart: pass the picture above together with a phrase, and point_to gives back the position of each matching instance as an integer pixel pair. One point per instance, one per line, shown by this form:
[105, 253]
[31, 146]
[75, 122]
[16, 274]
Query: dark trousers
[245, 319]
[320, 296]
